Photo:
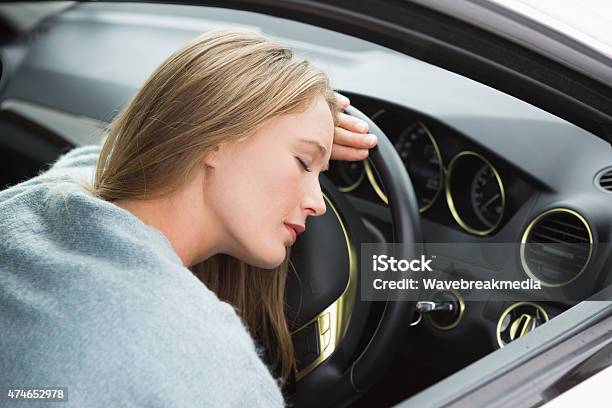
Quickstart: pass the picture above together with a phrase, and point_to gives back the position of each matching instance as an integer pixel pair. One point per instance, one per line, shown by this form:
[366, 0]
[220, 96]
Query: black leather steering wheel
[339, 358]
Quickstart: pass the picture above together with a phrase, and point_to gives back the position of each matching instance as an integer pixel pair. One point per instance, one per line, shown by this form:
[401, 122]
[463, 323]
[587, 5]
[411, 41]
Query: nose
[313, 201]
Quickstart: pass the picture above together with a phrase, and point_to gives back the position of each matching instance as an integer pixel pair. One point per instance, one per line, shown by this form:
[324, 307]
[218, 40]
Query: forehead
[314, 126]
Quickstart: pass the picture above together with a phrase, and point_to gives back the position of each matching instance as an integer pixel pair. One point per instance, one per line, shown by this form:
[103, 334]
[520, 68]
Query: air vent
[605, 180]
[556, 247]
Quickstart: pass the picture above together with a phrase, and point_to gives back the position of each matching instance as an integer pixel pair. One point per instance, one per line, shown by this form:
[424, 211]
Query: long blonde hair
[217, 88]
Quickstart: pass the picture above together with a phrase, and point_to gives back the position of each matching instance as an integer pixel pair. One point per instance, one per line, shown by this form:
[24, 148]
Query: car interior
[485, 168]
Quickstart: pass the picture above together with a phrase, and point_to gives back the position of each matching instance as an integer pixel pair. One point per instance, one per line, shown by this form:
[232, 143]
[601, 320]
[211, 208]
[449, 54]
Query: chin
[272, 259]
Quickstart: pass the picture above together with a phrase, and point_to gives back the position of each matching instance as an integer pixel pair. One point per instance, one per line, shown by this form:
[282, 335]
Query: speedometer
[486, 196]
[419, 152]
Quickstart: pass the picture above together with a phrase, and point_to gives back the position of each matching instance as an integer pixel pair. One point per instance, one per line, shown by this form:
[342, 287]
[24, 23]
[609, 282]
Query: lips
[294, 230]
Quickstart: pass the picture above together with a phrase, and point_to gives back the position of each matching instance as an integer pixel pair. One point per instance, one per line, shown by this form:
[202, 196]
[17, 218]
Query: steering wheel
[338, 357]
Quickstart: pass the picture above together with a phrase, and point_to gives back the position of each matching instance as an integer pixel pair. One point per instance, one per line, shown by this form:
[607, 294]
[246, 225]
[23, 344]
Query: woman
[206, 176]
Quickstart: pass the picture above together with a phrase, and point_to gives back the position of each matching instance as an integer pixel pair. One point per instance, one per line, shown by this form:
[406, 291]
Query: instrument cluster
[449, 174]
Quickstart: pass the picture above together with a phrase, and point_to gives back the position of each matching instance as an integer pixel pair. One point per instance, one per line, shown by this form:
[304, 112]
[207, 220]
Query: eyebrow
[322, 149]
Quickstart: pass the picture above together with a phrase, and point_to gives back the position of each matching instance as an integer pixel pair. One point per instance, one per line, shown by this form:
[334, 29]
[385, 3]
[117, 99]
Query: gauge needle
[485, 205]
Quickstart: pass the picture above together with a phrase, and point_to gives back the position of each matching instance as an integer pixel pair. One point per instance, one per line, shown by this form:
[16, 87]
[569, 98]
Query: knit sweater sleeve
[124, 349]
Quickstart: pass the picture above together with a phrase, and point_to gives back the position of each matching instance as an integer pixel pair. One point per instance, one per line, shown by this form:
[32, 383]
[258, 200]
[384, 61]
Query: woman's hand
[351, 137]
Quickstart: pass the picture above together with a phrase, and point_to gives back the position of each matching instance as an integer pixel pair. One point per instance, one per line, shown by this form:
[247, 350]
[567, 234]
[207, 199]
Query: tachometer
[421, 156]
[475, 193]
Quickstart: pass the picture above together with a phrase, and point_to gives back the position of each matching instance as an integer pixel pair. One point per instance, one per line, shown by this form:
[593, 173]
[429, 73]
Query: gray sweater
[97, 302]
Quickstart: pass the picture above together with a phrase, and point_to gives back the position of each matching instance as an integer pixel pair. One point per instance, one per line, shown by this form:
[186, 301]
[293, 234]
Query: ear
[212, 157]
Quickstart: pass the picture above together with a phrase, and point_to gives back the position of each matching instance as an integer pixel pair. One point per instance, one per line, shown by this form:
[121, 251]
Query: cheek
[260, 196]
[277, 188]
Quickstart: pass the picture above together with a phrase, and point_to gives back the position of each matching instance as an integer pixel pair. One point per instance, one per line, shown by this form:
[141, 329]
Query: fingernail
[362, 126]
[371, 139]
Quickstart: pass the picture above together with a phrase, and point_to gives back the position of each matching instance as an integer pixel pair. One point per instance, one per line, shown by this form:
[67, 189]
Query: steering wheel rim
[342, 378]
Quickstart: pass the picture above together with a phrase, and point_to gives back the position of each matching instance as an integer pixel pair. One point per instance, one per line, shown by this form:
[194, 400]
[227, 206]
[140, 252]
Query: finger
[355, 140]
[343, 101]
[346, 153]
[352, 123]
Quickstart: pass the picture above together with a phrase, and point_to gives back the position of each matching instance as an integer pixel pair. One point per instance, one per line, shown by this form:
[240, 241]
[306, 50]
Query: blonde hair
[217, 88]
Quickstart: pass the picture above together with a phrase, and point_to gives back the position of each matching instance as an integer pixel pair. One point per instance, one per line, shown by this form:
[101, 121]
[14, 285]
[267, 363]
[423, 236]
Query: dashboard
[471, 189]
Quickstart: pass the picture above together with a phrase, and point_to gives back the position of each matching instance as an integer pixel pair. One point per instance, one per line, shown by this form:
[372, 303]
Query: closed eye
[304, 166]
